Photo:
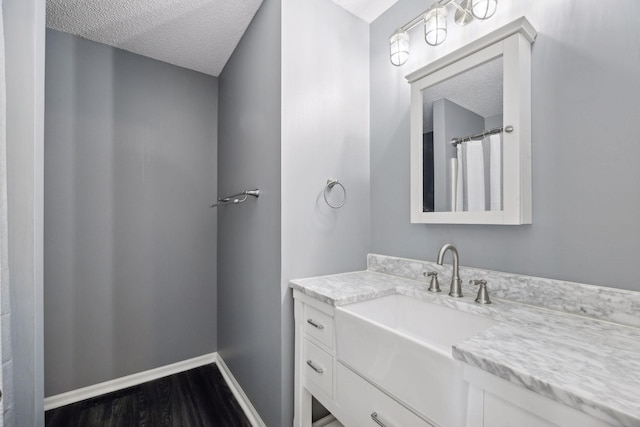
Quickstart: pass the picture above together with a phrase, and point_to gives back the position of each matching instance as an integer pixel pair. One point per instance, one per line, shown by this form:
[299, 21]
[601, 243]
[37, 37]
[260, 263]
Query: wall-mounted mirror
[470, 132]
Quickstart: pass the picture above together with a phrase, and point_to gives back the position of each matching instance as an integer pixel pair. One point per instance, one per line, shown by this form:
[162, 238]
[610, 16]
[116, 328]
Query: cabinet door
[498, 413]
[505, 404]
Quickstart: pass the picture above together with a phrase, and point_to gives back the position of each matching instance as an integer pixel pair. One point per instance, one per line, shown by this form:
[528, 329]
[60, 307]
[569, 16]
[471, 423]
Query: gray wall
[325, 134]
[130, 252]
[586, 99]
[249, 305]
[25, 44]
[493, 121]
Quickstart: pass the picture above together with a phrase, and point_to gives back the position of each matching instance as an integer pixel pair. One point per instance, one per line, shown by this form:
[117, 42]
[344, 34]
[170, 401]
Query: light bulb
[483, 9]
[435, 26]
[399, 46]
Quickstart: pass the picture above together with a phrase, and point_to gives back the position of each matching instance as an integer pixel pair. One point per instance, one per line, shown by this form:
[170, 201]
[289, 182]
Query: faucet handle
[434, 286]
[483, 293]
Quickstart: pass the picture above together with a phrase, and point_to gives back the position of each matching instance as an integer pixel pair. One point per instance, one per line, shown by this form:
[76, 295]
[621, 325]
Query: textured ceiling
[478, 90]
[367, 10]
[197, 34]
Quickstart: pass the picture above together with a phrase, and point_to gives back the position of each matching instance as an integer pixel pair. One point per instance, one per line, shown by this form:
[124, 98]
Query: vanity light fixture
[435, 24]
[484, 9]
[399, 43]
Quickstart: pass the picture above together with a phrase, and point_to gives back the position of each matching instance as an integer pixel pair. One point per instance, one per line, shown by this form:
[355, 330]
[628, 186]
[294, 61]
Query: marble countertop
[587, 364]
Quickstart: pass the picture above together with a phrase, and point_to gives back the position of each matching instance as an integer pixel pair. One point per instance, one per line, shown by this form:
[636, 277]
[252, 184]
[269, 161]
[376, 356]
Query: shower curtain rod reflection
[500, 129]
[235, 199]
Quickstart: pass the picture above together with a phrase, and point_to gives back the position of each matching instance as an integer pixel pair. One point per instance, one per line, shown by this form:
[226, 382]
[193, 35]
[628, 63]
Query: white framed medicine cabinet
[471, 132]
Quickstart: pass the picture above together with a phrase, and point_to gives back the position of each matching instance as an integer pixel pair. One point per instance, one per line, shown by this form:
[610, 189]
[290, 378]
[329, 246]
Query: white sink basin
[433, 325]
[403, 345]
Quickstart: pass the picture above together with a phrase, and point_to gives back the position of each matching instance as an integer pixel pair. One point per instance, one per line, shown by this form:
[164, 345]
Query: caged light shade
[434, 20]
[435, 26]
[399, 46]
[483, 9]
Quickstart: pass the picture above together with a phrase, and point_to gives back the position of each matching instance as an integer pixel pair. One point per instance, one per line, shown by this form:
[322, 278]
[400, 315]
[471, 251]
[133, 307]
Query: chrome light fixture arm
[442, 3]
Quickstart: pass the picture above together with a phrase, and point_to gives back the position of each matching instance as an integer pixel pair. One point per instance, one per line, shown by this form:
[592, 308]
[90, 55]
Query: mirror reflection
[462, 141]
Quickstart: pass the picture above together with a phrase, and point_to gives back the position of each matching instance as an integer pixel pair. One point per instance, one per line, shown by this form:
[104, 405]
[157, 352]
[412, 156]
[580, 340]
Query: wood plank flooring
[196, 398]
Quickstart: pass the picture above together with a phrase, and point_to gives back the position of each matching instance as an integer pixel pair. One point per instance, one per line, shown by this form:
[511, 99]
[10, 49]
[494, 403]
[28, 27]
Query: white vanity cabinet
[315, 356]
[324, 370]
[494, 402]
[351, 399]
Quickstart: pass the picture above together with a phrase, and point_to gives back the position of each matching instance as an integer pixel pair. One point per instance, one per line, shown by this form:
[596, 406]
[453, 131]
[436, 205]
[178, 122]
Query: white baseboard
[84, 393]
[74, 396]
[241, 397]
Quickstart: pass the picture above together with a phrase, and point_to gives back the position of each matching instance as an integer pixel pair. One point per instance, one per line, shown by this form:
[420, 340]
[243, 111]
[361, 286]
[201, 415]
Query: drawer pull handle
[374, 417]
[314, 367]
[314, 324]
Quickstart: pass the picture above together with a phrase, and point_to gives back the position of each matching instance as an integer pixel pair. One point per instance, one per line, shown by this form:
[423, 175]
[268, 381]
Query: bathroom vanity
[319, 372]
[376, 348]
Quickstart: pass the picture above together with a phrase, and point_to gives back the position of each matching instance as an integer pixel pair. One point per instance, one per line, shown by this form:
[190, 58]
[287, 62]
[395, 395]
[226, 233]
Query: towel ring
[330, 184]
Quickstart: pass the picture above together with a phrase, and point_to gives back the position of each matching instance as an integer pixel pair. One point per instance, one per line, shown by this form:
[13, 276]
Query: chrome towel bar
[236, 198]
[330, 184]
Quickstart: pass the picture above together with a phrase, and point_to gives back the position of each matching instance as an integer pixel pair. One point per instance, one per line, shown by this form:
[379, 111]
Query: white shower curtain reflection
[479, 177]
[460, 181]
[495, 171]
[475, 176]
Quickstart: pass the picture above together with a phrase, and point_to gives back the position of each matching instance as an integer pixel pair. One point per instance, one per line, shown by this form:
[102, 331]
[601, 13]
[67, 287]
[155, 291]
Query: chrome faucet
[456, 282]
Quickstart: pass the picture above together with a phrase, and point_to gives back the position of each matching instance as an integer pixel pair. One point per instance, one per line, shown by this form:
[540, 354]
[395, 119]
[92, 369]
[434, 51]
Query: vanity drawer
[319, 325]
[318, 367]
[361, 402]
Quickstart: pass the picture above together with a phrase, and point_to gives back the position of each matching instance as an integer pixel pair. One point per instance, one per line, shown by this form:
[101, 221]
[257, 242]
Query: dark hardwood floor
[196, 398]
